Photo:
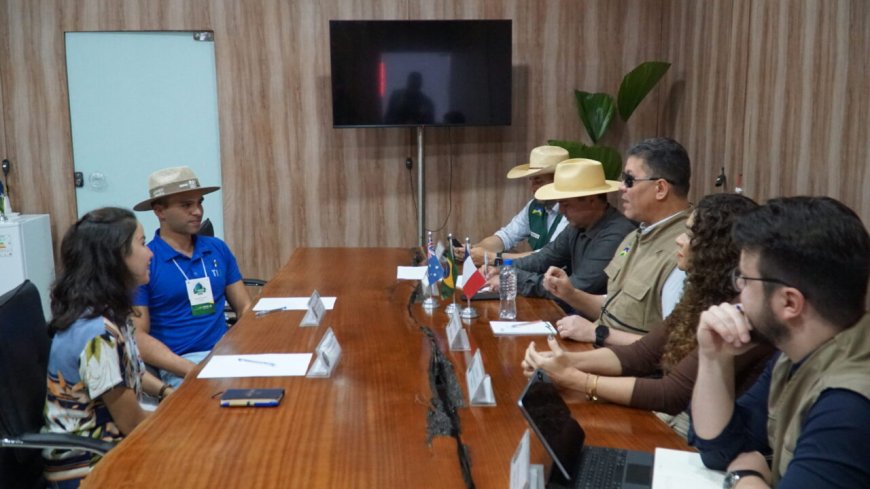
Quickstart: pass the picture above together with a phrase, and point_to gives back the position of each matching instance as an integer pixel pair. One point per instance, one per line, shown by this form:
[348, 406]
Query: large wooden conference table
[370, 424]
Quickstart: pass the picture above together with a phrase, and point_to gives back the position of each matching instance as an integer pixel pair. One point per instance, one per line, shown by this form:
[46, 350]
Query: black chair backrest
[24, 349]
[206, 228]
[24, 346]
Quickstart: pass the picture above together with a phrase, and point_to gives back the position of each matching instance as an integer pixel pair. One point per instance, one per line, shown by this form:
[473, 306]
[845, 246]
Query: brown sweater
[672, 392]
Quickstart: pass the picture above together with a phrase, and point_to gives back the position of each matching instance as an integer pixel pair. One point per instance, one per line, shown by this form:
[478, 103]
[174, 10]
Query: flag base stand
[468, 313]
[430, 303]
[450, 308]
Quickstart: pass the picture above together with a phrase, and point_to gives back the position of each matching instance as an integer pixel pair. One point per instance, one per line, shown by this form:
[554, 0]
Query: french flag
[472, 279]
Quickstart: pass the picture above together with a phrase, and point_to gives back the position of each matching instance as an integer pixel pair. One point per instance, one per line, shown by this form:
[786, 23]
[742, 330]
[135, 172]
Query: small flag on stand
[435, 272]
[448, 285]
[472, 279]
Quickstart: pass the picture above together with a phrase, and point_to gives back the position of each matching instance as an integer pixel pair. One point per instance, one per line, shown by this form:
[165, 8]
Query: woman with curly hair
[658, 371]
[95, 375]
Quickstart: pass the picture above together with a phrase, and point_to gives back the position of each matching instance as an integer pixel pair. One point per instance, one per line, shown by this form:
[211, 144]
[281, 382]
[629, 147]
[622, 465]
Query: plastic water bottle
[508, 291]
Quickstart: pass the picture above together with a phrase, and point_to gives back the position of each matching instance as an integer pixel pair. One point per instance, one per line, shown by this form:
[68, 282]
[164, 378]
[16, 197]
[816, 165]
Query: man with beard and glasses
[802, 277]
[179, 314]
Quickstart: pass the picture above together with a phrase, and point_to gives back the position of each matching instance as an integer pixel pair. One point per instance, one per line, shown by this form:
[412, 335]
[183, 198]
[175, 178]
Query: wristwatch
[601, 334]
[732, 477]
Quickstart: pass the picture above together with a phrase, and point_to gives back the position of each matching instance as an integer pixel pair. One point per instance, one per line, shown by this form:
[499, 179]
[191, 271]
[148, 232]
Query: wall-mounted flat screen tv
[420, 72]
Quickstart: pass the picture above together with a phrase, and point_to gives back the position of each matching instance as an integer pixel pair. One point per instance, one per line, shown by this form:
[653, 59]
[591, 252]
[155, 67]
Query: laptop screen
[550, 418]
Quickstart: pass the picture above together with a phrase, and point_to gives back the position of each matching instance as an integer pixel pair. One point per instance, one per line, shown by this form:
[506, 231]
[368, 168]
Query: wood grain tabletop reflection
[369, 425]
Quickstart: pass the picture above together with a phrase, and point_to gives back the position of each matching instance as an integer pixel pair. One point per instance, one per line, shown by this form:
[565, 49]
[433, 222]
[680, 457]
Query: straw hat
[169, 181]
[542, 160]
[577, 177]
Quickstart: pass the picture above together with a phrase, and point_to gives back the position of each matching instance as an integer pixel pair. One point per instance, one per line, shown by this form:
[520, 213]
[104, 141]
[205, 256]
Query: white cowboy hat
[577, 177]
[169, 181]
[542, 160]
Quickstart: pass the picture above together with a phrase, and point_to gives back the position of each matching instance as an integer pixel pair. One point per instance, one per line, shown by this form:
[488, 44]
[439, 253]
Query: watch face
[601, 333]
[731, 478]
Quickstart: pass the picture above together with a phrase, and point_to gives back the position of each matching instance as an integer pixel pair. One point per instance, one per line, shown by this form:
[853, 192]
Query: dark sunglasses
[628, 180]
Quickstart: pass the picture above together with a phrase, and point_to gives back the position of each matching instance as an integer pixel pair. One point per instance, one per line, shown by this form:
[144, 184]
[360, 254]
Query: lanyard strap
[201, 261]
[540, 234]
[553, 227]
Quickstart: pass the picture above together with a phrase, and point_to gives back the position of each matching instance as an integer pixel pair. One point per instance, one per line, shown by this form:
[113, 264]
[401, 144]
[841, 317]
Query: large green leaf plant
[596, 112]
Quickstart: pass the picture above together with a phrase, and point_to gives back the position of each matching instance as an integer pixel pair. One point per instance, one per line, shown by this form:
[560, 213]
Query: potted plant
[596, 112]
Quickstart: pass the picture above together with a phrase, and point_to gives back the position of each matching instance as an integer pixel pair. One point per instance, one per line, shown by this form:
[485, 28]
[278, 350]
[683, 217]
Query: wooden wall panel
[290, 179]
[36, 105]
[854, 132]
[705, 106]
[559, 46]
[36, 112]
[4, 54]
[798, 110]
[775, 89]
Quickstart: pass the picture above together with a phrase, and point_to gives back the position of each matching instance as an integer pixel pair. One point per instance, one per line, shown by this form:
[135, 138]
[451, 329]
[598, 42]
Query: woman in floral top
[95, 375]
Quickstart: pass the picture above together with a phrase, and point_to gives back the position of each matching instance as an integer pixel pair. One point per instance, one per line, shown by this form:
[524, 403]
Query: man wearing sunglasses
[643, 284]
[804, 267]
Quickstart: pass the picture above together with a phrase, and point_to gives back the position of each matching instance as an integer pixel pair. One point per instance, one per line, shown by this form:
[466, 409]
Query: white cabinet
[26, 253]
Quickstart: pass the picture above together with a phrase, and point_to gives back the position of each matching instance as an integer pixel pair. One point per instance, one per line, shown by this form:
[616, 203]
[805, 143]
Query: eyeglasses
[739, 281]
[629, 180]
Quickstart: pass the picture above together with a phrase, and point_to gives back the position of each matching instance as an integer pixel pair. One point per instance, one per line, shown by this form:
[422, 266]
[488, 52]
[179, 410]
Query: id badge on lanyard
[198, 292]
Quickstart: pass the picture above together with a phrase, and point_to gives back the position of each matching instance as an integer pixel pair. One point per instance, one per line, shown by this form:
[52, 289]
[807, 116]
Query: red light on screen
[382, 79]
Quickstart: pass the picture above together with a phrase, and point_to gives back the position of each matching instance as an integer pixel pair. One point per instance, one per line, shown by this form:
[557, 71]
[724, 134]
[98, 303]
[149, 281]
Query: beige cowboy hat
[169, 181]
[577, 177]
[542, 160]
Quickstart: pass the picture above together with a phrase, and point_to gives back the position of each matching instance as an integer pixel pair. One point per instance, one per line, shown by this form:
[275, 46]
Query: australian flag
[435, 271]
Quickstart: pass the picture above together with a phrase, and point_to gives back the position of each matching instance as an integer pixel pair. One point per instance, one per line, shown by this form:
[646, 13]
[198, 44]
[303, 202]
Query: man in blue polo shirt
[180, 312]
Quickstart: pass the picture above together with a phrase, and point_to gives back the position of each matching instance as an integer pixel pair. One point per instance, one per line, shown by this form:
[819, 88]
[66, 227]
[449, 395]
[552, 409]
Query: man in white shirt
[539, 222]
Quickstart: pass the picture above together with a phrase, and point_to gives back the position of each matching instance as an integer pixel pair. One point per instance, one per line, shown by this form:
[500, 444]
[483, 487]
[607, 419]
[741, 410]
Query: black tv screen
[389, 73]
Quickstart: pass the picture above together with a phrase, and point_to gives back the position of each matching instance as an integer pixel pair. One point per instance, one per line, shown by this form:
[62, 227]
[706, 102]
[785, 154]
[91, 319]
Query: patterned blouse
[87, 360]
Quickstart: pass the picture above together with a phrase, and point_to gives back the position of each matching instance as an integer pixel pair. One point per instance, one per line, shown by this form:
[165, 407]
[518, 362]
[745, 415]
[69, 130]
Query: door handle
[98, 180]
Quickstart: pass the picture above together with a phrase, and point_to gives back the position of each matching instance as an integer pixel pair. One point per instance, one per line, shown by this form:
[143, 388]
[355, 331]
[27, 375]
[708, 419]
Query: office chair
[23, 364]
[207, 229]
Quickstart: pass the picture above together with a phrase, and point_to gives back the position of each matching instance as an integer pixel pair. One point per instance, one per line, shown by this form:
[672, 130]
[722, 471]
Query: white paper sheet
[262, 365]
[411, 273]
[290, 303]
[521, 328]
[677, 469]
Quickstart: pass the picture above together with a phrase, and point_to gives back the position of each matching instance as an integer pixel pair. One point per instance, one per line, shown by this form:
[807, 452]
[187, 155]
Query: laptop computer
[576, 465]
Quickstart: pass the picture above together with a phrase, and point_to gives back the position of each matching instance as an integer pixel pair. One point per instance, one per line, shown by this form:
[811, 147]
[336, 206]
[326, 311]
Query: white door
[141, 101]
